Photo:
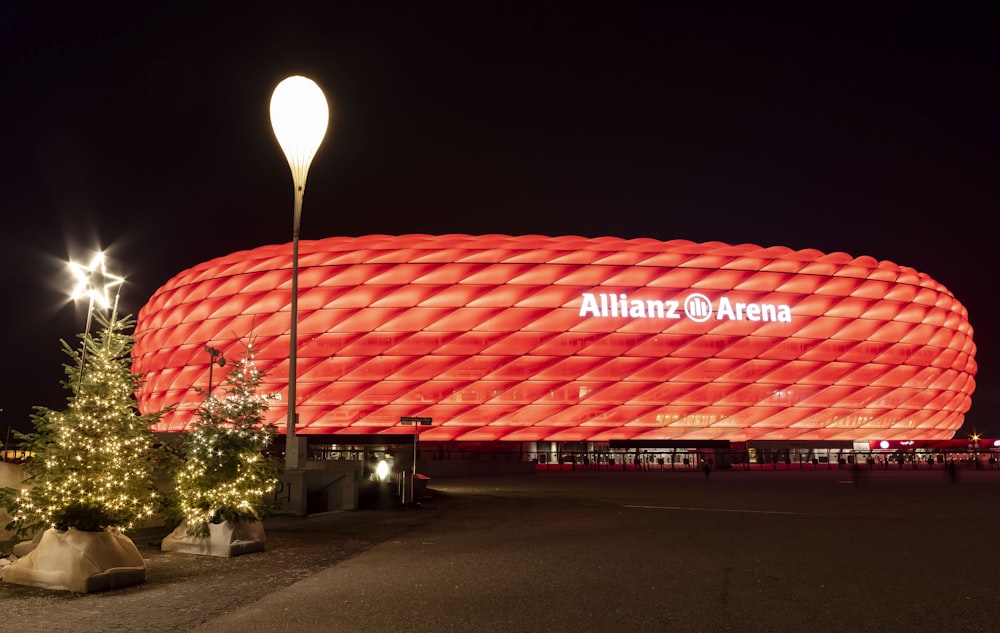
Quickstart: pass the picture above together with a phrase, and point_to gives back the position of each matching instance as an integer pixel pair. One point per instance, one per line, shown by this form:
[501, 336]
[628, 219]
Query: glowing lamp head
[299, 118]
[382, 470]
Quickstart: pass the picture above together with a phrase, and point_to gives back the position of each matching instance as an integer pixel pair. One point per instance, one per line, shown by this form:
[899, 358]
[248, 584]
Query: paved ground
[901, 551]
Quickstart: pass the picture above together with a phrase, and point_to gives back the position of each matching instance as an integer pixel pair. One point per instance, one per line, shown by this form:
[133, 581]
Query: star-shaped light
[93, 281]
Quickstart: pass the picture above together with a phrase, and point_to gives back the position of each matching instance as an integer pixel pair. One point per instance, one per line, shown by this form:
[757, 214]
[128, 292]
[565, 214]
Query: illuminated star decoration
[93, 281]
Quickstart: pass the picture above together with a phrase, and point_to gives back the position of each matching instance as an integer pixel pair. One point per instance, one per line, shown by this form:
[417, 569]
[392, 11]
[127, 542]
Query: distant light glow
[93, 281]
[382, 470]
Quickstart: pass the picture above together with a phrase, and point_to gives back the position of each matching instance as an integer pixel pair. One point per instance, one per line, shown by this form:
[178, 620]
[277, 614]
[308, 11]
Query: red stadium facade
[571, 339]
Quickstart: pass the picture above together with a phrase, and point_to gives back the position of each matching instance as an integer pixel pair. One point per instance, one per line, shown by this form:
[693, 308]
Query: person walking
[953, 471]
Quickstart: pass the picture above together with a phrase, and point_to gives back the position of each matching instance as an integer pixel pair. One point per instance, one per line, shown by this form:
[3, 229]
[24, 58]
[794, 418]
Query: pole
[114, 309]
[83, 352]
[292, 460]
[415, 421]
[413, 468]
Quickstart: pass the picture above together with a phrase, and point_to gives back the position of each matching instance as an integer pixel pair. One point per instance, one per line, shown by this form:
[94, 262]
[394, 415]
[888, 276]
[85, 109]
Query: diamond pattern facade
[530, 338]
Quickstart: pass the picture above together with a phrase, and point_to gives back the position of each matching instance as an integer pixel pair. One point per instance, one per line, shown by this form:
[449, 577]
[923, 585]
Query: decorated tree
[225, 475]
[92, 464]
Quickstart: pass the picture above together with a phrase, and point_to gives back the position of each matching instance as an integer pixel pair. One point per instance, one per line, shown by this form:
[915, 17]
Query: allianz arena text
[535, 338]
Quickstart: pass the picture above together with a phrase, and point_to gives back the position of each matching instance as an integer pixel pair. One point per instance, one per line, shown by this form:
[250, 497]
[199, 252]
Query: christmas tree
[92, 464]
[225, 475]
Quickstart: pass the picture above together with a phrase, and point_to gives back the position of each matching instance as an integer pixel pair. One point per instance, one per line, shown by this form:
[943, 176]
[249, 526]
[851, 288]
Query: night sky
[145, 132]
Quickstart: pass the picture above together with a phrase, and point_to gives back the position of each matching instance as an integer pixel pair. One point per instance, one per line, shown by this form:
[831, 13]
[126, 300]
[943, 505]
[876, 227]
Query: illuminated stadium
[569, 339]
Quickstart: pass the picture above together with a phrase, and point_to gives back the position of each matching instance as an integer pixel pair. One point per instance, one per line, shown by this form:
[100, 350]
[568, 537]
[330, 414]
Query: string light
[224, 476]
[92, 467]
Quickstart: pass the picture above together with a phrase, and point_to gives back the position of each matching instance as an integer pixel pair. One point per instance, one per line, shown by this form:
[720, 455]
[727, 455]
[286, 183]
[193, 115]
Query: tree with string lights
[92, 464]
[225, 475]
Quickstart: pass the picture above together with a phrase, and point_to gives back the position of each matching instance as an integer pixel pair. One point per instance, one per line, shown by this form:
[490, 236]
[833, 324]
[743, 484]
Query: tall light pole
[299, 118]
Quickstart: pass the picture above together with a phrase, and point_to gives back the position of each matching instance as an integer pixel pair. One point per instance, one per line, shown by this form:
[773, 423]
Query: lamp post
[299, 118]
[214, 354]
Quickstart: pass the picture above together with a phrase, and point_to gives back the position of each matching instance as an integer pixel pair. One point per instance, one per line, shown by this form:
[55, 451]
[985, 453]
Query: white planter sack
[224, 539]
[78, 561]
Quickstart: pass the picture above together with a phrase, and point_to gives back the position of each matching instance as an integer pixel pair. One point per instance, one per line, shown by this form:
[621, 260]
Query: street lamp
[214, 354]
[299, 118]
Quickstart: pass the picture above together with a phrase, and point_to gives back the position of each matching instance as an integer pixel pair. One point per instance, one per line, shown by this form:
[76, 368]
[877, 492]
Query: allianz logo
[695, 306]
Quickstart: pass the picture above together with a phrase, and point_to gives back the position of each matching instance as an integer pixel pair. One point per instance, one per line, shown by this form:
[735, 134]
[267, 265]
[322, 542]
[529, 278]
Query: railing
[694, 460]
[737, 460]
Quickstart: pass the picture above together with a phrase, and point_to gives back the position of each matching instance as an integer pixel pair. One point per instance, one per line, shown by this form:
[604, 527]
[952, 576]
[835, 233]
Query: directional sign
[414, 420]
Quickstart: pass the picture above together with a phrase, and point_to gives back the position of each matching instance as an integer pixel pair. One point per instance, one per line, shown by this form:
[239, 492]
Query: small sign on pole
[408, 419]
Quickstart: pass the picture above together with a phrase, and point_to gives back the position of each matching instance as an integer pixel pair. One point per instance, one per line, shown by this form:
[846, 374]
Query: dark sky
[145, 131]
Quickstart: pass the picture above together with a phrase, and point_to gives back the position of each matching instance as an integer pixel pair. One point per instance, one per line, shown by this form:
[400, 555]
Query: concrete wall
[322, 486]
[11, 476]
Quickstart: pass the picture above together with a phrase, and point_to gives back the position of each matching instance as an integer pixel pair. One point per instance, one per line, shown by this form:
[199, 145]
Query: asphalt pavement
[588, 551]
